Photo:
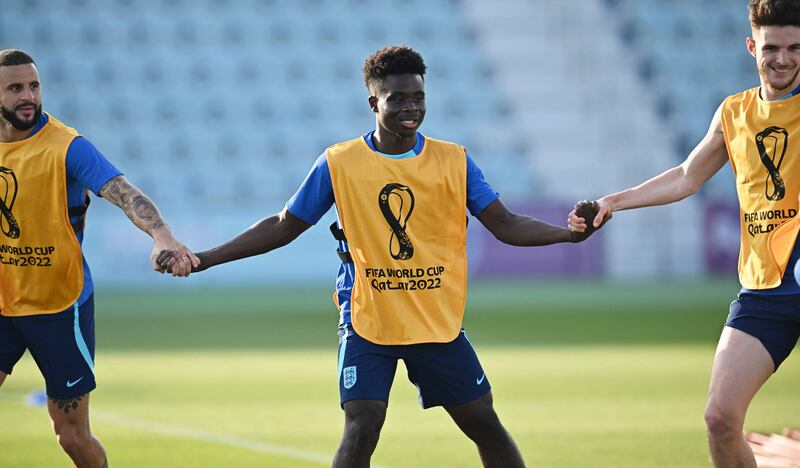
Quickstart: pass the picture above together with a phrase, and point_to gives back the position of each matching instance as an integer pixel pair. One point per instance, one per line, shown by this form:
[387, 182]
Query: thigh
[366, 370]
[772, 320]
[475, 416]
[70, 414]
[370, 413]
[12, 346]
[62, 345]
[446, 374]
[741, 366]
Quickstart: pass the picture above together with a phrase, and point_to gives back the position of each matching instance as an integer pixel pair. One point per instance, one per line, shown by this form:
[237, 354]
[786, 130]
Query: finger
[184, 266]
[601, 215]
[195, 260]
[159, 268]
[177, 267]
[168, 264]
[163, 257]
[172, 265]
[575, 220]
[166, 253]
[189, 258]
[577, 223]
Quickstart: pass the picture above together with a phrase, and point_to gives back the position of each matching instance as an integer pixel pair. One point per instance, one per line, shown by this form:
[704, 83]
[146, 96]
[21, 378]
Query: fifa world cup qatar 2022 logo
[396, 202]
[771, 143]
[8, 194]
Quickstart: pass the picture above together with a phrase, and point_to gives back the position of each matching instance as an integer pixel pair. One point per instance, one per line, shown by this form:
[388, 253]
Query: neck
[9, 134]
[770, 94]
[392, 143]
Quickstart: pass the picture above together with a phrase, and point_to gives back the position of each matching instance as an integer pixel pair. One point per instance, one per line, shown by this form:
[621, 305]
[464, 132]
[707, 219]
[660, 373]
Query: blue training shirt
[315, 197]
[87, 168]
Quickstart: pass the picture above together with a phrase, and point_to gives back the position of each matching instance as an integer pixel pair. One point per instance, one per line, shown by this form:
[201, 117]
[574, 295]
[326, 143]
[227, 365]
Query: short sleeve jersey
[315, 197]
[87, 169]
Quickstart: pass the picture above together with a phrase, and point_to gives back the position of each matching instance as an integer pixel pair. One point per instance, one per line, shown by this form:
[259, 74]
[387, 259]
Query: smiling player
[46, 289]
[756, 130]
[401, 198]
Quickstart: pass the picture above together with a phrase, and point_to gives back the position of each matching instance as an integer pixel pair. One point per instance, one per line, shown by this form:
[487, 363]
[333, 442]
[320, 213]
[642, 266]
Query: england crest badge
[349, 376]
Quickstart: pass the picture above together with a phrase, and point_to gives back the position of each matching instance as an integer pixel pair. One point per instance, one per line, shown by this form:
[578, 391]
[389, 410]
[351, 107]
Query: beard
[777, 86]
[19, 124]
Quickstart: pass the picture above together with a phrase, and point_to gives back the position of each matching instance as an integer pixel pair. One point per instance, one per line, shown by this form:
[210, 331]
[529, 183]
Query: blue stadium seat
[234, 100]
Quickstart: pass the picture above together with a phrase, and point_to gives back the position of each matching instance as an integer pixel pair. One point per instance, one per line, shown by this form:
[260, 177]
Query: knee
[485, 429]
[723, 422]
[489, 432]
[363, 425]
[71, 439]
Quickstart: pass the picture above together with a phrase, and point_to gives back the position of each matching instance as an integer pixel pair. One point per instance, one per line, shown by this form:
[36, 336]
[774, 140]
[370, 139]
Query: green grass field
[584, 375]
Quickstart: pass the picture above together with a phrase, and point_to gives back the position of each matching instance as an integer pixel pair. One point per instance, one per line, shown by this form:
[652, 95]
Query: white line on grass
[221, 439]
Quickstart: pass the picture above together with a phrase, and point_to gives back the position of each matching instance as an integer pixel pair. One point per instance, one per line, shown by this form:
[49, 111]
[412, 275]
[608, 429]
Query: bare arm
[672, 185]
[134, 204]
[514, 229]
[265, 235]
[144, 214]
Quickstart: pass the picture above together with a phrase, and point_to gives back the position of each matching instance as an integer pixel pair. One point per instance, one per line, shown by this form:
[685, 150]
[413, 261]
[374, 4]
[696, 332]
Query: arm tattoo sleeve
[133, 202]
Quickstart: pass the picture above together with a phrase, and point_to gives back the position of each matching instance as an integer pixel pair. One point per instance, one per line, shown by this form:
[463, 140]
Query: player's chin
[780, 81]
[406, 133]
[407, 130]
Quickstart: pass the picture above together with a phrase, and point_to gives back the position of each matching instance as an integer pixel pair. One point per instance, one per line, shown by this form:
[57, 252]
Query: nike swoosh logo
[72, 384]
[480, 381]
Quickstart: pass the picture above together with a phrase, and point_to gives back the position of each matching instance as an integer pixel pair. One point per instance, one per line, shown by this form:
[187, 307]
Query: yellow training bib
[763, 143]
[405, 223]
[41, 269]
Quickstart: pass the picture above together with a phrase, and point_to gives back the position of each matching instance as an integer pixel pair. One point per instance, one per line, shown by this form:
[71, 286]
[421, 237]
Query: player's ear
[373, 103]
[751, 46]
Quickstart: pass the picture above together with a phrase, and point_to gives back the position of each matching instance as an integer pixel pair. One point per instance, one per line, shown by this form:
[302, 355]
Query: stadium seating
[692, 55]
[219, 107]
[254, 88]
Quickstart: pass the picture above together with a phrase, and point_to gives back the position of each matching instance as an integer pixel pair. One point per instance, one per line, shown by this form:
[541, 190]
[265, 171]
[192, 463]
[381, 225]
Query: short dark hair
[774, 13]
[394, 60]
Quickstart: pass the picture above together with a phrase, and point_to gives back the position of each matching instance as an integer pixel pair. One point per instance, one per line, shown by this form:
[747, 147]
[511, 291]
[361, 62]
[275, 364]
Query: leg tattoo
[68, 404]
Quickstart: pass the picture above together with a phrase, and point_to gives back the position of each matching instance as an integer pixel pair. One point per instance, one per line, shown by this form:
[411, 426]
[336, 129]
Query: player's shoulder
[60, 127]
[742, 97]
[445, 144]
[343, 146]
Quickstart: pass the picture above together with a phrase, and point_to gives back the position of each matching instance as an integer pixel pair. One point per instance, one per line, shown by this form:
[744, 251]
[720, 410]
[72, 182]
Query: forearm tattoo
[68, 404]
[133, 202]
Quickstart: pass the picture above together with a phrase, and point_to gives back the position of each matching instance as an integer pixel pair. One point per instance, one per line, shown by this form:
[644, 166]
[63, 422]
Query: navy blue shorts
[774, 320]
[62, 345]
[445, 374]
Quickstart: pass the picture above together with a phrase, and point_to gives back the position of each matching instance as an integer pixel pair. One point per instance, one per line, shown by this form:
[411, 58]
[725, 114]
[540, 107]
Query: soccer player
[401, 199]
[752, 130]
[46, 289]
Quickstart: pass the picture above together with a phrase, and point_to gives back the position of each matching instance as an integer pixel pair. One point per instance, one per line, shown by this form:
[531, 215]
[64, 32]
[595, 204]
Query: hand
[181, 262]
[167, 258]
[597, 211]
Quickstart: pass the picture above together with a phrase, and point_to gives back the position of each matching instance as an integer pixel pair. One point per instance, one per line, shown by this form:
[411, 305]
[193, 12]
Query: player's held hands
[182, 261]
[597, 212]
[168, 261]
